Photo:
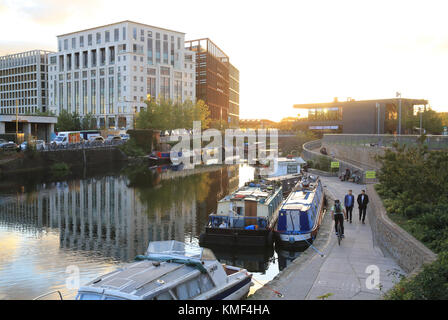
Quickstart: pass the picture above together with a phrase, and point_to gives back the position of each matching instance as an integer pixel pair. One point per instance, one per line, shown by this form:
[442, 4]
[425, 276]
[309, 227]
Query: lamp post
[378, 108]
[399, 112]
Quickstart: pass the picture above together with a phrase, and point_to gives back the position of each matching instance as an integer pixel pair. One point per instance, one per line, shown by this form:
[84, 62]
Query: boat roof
[165, 262]
[297, 160]
[299, 200]
[140, 279]
[252, 191]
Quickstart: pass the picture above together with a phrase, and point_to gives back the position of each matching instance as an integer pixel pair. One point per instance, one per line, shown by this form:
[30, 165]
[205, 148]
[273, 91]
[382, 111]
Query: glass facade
[93, 96]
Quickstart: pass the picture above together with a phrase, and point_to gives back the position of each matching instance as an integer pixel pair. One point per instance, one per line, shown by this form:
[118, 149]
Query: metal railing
[434, 142]
[49, 147]
[237, 222]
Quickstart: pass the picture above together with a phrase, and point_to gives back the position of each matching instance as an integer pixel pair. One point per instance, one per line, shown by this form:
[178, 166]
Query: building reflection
[116, 216]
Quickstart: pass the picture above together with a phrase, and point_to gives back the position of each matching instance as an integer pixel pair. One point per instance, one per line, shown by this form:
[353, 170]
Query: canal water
[93, 222]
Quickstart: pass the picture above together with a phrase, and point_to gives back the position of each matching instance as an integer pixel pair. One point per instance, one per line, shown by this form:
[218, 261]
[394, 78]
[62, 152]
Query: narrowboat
[245, 218]
[300, 215]
[171, 270]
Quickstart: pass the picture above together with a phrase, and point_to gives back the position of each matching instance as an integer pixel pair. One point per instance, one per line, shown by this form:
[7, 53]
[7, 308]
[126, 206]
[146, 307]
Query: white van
[64, 138]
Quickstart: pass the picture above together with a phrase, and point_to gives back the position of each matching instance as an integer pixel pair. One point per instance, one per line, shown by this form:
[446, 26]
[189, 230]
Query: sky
[288, 51]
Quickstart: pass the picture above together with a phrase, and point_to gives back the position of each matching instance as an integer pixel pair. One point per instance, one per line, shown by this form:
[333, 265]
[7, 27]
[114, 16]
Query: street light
[378, 108]
[398, 94]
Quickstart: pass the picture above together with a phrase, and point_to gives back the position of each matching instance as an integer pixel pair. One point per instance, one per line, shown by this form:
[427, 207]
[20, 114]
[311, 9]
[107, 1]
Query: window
[89, 40]
[142, 35]
[66, 44]
[188, 290]
[73, 43]
[124, 33]
[149, 34]
[81, 41]
[107, 36]
[134, 33]
[102, 102]
[149, 52]
[116, 34]
[98, 38]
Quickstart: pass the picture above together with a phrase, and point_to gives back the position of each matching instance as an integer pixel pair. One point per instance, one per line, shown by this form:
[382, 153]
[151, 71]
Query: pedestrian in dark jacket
[362, 200]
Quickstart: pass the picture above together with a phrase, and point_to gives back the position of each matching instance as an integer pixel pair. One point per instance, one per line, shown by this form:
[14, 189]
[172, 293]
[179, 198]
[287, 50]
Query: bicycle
[339, 228]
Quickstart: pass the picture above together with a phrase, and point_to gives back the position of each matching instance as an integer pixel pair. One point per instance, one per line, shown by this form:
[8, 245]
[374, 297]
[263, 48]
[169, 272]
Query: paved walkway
[343, 271]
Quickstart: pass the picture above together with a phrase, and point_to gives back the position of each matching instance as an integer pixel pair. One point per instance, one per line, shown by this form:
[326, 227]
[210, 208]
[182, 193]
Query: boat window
[164, 296]
[205, 283]
[188, 290]
[89, 296]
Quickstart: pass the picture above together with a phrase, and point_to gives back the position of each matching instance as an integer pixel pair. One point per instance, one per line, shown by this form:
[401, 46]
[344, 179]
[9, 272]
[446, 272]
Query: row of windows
[31, 107]
[20, 86]
[20, 103]
[21, 70]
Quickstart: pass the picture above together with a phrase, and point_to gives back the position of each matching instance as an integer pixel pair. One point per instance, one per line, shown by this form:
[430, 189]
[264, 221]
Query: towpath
[345, 272]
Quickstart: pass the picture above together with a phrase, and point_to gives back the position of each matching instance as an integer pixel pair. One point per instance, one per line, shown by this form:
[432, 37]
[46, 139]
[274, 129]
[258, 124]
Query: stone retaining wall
[408, 252]
[311, 151]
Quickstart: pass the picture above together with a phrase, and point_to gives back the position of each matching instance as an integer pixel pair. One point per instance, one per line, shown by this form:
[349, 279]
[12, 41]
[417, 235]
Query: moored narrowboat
[245, 218]
[300, 215]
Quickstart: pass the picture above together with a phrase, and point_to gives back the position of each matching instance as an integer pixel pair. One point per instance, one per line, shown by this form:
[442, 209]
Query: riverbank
[38, 161]
[344, 270]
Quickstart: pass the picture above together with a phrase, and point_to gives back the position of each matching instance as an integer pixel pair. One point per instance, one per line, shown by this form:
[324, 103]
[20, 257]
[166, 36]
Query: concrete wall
[311, 152]
[362, 156]
[409, 253]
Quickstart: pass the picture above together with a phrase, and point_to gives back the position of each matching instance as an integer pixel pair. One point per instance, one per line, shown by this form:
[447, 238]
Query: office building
[234, 96]
[360, 117]
[214, 74]
[109, 71]
[24, 94]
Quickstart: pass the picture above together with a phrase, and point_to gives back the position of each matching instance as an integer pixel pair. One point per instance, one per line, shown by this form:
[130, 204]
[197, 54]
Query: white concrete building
[24, 91]
[109, 71]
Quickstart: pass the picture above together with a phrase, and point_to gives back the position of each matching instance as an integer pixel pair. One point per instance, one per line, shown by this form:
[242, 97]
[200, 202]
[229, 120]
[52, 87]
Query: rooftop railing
[434, 142]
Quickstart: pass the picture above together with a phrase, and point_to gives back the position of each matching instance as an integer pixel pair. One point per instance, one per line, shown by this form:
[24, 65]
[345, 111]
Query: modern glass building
[109, 71]
[360, 117]
[234, 96]
[217, 81]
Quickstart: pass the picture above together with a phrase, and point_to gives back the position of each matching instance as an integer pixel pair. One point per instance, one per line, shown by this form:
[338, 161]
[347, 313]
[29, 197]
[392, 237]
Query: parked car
[96, 139]
[113, 138]
[8, 146]
[40, 145]
[124, 137]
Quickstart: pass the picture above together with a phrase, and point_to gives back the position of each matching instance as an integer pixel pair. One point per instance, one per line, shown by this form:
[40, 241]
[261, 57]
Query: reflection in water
[255, 261]
[286, 257]
[99, 223]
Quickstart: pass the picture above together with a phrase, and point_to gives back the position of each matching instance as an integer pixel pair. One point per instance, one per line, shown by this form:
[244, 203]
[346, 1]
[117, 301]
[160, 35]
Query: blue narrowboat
[300, 216]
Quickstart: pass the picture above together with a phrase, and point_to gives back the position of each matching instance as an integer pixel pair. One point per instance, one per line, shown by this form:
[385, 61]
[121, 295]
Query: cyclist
[338, 212]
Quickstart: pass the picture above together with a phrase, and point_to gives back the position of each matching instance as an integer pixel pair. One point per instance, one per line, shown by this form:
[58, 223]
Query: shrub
[430, 284]
[131, 149]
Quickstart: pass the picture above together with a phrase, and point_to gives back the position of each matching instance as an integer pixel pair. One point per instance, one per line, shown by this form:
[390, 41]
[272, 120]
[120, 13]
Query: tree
[164, 114]
[431, 121]
[88, 122]
[68, 121]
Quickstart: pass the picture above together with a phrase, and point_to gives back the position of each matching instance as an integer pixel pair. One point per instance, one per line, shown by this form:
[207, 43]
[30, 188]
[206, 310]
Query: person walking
[362, 200]
[349, 202]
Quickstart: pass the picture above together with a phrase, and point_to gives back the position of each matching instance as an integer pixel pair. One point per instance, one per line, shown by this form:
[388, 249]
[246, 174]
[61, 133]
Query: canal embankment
[43, 160]
[357, 269]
